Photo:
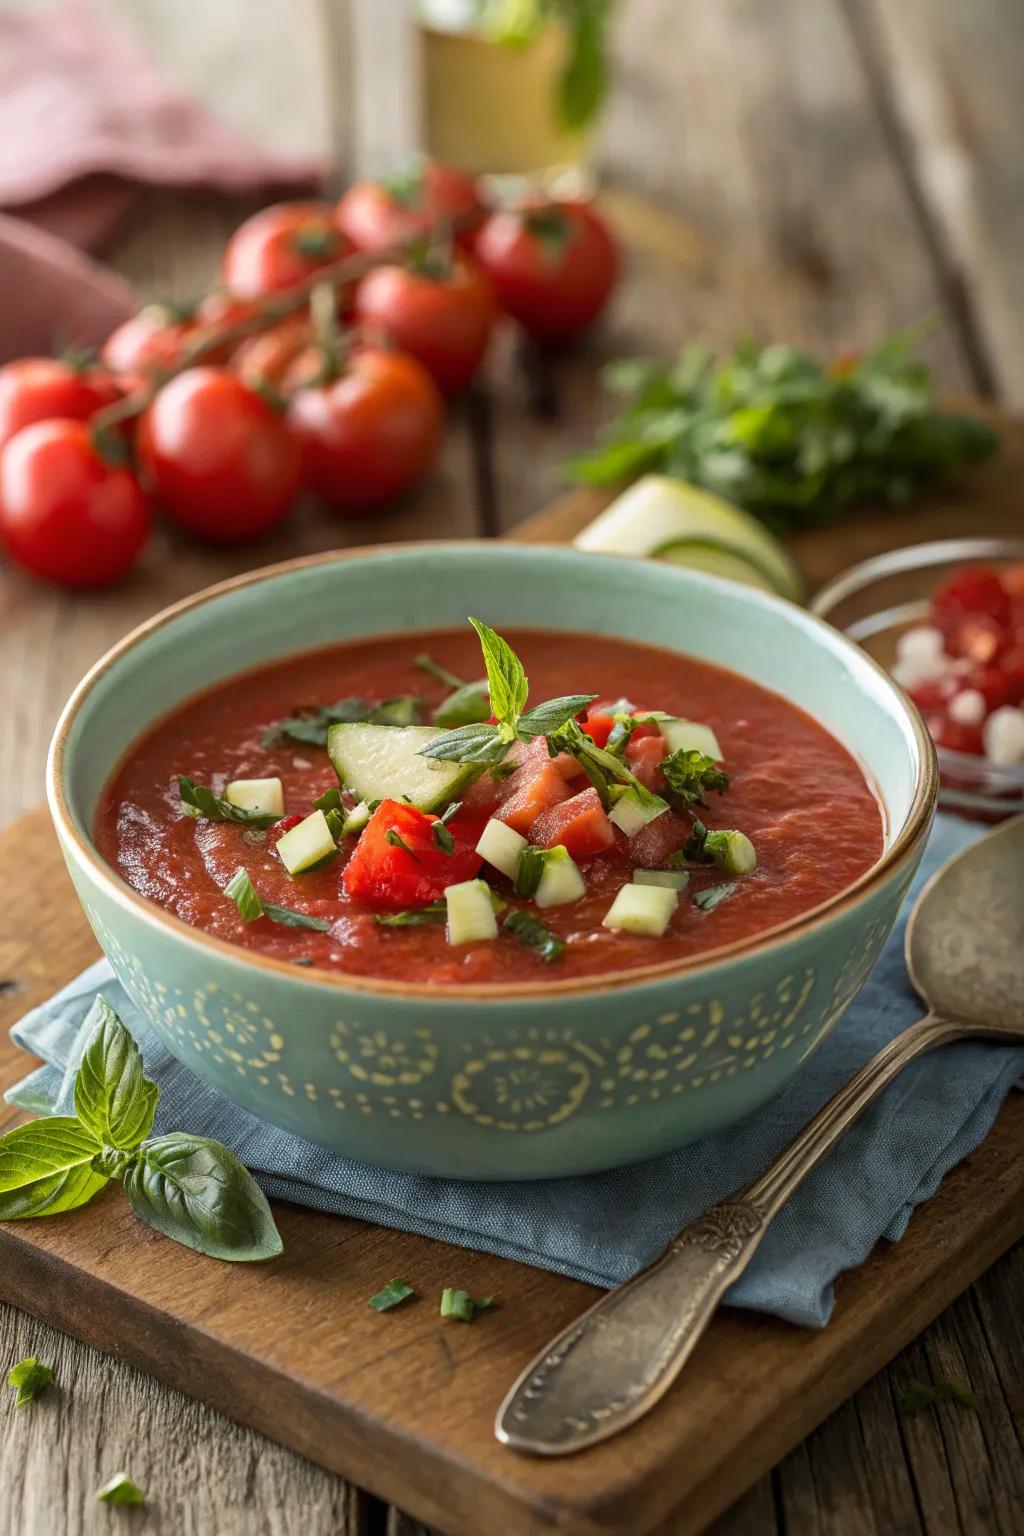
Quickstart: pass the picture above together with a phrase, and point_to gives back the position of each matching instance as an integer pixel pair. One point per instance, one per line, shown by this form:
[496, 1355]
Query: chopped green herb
[620, 734]
[918, 1396]
[529, 870]
[204, 804]
[27, 1379]
[601, 766]
[442, 837]
[690, 775]
[468, 705]
[391, 1295]
[478, 744]
[534, 934]
[310, 727]
[251, 906]
[450, 810]
[302, 960]
[695, 848]
[120, 1490]
[289, 919]
[461, 1306]
[396, 840]
[550, 717]
[335, 824]
[713, 896]
[330, 800]
[437, 912]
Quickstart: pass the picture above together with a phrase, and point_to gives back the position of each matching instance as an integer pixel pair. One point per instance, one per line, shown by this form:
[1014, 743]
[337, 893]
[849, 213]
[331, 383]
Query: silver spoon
[965, 955]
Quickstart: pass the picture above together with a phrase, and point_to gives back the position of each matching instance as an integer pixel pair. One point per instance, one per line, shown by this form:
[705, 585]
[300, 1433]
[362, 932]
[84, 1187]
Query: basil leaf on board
[919, 1395]
[198, 1193]
[114, 1100]
[27, 1379]
[201, 802]
[713, 896]
[534, 934]
[506, 680]
[468, 705]
[551, 716]
[120, 1490]
[47, 1167]
[691, 775]
[479, 744]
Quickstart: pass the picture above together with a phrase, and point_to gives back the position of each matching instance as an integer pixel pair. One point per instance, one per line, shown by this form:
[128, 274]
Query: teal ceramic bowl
[494, 1082]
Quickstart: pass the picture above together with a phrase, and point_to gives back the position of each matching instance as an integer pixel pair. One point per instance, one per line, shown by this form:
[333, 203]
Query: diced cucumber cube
[732, 852]
[470, 912]
[690, 736]
[501, 846]
[630, 815]
[306, 844]
[671, 879]
[264, 797]
[561, 881]
[356, 819]
[645, 909]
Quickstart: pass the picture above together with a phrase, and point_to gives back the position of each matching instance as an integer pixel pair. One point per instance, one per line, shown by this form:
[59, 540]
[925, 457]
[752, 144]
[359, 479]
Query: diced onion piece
[501, 846]
[968, 707]
[645, 909]
[690, 736]
[630, 815]
[561, 881]
[1003, 735]
[356, 819]
[670, 879]
[264, 797]
[922, 644]
[470, 912]
[306, 844]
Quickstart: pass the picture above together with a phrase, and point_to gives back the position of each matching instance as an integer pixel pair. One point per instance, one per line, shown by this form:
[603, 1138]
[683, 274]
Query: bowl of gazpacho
[490, 861]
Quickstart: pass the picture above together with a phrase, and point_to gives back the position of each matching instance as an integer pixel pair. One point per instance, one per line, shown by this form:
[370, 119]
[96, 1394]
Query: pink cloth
[84, 115]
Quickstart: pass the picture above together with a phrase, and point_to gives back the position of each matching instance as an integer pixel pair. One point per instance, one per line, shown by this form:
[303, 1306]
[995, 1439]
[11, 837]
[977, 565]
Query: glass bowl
[875, 602]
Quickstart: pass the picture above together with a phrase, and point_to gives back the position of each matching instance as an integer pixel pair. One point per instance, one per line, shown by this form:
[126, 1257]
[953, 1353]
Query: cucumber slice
[717, 560]
[382, 762]
[643, 909]
[356, 819]
[670, 879]
[306, 844]
[263, 796]
[630, 816]
[657, 512]
[501, 846]
[470, 912]
[561, 881]
[690, 736]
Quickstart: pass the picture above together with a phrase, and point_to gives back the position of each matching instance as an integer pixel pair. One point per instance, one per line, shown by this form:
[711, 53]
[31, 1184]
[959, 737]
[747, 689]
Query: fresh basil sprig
[601, 766]
[201, 802]
[191, 1189]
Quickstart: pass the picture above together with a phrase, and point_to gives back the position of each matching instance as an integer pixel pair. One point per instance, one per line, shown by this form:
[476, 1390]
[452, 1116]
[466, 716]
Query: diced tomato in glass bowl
[947, 620]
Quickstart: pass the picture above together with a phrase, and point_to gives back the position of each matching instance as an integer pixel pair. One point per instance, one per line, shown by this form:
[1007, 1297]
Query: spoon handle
[611, 1365]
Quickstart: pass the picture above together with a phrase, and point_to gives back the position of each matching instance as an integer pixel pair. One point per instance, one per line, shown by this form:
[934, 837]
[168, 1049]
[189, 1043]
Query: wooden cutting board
[402, 1404]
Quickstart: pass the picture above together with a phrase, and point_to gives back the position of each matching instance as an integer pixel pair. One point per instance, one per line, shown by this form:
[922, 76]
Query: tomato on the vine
[378, 214]
[371, 433]
[219, 459]
[281, 246]
[267, 359]
[442, 312]
[150, 341]
[553, 267]
[40, 388]
[67, 513]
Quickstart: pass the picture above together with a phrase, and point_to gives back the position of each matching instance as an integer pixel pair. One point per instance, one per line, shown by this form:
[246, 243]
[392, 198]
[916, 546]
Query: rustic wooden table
[815, 173]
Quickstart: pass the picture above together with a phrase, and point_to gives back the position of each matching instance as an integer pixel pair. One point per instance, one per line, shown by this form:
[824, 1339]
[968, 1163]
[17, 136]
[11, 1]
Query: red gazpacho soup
[466, 808]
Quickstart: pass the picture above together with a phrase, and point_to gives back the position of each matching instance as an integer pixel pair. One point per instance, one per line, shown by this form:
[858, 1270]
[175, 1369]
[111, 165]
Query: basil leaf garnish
[201, 802]
[289, 919]
[27, 1379]
[534, 934]
[600, 765]
[506, 680]
[437, 912]
[529, 868]
[690, 775]
[310, 726]
[468, 705]
[478, 744]
[442, 837]
[198, 1193]
[551, 716]
[114, 1100]
[330, 800]
[252, 906]
[120, 1490]
[47, 1167]
[707, 900]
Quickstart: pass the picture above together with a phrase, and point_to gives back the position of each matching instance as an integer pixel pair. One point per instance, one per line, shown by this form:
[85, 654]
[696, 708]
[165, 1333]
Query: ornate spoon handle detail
[611, 1365]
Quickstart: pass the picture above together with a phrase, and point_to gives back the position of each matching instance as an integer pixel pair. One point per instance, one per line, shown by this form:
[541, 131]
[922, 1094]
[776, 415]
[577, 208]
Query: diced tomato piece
[929, 696]
[979, 638]
[579, 824]
[483, 794]
[599, 728]
[529, 792]
[1012, 667]
[286, 823]
[958, 738]
[536, 751]
[974, 591]
[661, 838]
[644, 755]
[389, 877]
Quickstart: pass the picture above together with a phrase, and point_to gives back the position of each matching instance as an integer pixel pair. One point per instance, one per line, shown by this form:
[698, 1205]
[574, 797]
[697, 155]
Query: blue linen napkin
[604, 1227]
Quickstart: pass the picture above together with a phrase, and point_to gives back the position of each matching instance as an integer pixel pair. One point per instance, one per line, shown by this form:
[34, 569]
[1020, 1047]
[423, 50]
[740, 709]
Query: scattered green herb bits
[470, 912]
[733, 852]
[501, 847]
[306, 844]
[644, 909]
[264, 797]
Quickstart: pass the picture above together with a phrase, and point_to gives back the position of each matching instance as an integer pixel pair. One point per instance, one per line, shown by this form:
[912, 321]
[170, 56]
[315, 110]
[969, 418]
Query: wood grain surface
[404, 1402]
[813, 173]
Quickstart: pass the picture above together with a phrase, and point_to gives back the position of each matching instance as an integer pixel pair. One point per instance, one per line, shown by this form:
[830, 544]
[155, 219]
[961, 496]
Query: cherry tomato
[370, 434]
[553, 267]
[66, 512]
[378, 214]
[973, 591]
[39, 388]
[220, 461]
[152, 340]
[442, 316]
[279, 247]
[269, 357]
